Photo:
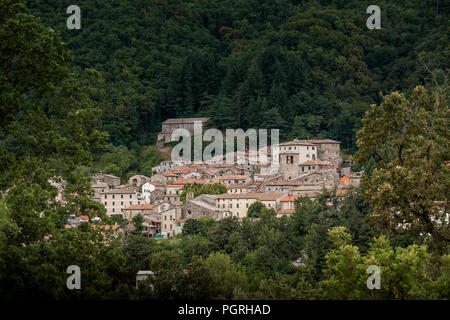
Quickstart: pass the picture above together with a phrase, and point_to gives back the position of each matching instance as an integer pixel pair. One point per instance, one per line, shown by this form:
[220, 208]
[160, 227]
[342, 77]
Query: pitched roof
[156, 183]
[237, 177]
[239, 185]
[181, 167]
[141, 207]
[296, 143]
[199, 202]
[99, 176]
[284, 183]
[174, 186]
[262, 196]
[183, 181]
[169, 174]
[322, 141]
[127, 189]
[289, 199]
[139, 176]
[184, 120]
[99, 185]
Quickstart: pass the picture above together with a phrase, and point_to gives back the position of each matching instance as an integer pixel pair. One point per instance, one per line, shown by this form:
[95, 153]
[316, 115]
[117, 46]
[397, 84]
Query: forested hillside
[310, 68]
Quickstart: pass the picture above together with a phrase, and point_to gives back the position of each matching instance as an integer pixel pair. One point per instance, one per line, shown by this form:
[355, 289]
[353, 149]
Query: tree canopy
[309, 68]
[404, 144]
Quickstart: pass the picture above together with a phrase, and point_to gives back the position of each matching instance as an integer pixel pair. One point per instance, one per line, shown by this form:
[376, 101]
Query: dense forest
[57, 106]
[310, 68]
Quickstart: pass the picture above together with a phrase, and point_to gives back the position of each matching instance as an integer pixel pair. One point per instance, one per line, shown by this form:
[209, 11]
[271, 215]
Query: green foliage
[124, 162]
[150, 157]
[198, 189]
[407, 139]
[198, 226]
[137, 223]
[52, 128]
[251, 65]
[137, 249]
[404, 272]
[166, 266]
[255, 209]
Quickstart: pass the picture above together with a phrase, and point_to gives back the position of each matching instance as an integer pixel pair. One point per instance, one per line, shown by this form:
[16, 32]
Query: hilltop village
[305, 168]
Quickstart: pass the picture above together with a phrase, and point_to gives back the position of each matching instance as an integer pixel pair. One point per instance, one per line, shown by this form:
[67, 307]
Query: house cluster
[305, 168]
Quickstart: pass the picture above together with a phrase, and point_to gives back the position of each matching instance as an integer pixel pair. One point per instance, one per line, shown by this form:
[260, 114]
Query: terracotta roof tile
[141, 207]
[183, 181]
[266, 196]
[296, 143]
[289, 199]
[238, 177]
[169, 174]
[322, 141]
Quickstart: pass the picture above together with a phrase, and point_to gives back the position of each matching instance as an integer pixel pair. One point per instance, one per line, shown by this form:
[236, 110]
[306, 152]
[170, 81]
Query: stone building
[291, 154]
[287, 206]
[99, 188]
[172, 198]
[327, 149]
[115, 200]
[157, 195]
[109, 179]
[138, 180]
[237, 205]
[316, 165]
[170, 125]
[309, 186]
[202, 206]
[168, 221]
[152, 224]
[233, 179]
[143, 209]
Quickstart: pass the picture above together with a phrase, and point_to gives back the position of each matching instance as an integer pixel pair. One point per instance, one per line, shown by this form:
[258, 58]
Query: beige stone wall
[328, 151]
[239, 207]
[130, 214]
[168, 219]
[305, 153]
[167, 129]
[193, 211]
[115, 203]
[289, 165]
[111, 181]
[156, 195]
